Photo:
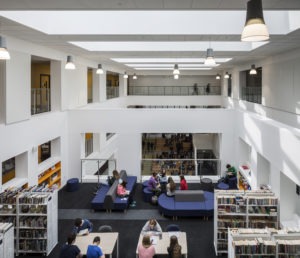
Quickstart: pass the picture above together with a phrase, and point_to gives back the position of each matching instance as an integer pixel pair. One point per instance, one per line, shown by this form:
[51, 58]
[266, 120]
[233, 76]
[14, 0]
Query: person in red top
[121, 190]
[183, 184]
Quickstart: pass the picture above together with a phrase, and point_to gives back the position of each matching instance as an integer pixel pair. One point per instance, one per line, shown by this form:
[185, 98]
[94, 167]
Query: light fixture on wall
[176, 70]
[176, 76]
[99, 69]
[70, 64]
[125, 76]
[253, 70]
[4, 54]
[255, 28]
[226, 76]
[134, 77]
[209, 57]
[218, 77]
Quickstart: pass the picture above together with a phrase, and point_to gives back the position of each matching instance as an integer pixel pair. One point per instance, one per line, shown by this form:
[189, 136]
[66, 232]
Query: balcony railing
[40, 100]
[191, 167]
[252, 94]
[112, 92]
[174, 90]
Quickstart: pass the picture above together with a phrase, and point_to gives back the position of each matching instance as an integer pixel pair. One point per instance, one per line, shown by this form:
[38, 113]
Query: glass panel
[40, 100]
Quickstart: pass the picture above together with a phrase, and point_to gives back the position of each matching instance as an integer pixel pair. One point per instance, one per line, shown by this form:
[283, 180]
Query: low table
[107, 242]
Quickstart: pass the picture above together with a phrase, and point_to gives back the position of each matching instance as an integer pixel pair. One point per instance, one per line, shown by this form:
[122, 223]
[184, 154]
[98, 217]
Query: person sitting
[163, 180]
[171, 187]
[115, 176]
[69, 250]
[151, 227]
[183, 184]
[146, 249]
[153, 184]
[174, 250]
[231, 171]
[94, 251]
[121, 190]
[82, 226]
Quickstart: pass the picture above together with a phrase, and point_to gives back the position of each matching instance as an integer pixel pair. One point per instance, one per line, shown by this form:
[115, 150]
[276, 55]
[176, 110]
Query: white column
[122, 86]
[102, 87]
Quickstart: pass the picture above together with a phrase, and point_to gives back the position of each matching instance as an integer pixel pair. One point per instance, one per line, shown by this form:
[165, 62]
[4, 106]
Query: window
[8, 170]
[251, 86]
[88, 144]
[112, 85]
[44, 151]
[229, 87]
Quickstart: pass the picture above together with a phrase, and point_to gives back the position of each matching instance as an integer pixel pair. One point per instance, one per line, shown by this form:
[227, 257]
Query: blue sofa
[188, 203]
[108, 200]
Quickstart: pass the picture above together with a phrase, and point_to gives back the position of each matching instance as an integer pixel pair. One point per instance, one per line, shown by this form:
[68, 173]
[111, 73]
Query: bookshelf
[6, 240]
[242, 209]
[266, 242]
[33, 213]
[51, 176]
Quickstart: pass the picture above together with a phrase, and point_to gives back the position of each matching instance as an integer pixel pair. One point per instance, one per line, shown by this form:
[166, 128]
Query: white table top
[162, 244]
[107, 241]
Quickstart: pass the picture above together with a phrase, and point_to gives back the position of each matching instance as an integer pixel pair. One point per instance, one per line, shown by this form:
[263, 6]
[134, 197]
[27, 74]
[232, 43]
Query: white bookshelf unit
[242, 209]
[6, 240]
[266, 242]
[33, 213]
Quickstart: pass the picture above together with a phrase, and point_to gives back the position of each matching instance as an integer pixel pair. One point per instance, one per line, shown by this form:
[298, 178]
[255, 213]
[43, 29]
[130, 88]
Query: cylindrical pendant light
[176, 69]
[4, 54]
[253, 70]
[99, 69]
[255, 28]
[70, 64]
[125, 76]
[209, 57]
[226, 76]
[218, 77]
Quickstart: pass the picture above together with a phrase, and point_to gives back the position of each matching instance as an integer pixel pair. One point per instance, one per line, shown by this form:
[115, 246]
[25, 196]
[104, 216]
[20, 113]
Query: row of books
[33, 222]
[32, 233]
[255, 246]
[33, 245]
[33, 198]
[263, 201]
[289, 246]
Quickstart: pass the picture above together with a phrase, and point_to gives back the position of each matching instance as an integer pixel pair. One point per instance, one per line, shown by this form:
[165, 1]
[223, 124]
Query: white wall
[2, 92]
[289, 199]
[17, 88]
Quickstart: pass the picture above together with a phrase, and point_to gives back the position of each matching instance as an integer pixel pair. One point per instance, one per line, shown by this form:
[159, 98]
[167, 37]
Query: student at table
[145, 249]
[174, 250]
[94, 251]
[82, 225]
[69, 250]
[152, 226]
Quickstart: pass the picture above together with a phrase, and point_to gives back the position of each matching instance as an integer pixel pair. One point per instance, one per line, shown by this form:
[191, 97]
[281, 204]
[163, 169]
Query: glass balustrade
[40, 100]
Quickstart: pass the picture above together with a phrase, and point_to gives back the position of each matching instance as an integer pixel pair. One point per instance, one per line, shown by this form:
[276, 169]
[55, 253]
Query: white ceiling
[209, 32]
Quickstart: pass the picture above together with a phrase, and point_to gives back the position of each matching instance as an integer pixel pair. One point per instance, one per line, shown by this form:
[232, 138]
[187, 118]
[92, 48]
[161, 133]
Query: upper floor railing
[174, 90]
[40, 100]
[252, 94]
[112, 92]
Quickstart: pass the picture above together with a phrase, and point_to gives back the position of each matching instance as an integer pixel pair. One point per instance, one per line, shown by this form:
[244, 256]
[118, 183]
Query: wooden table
[164, 242]
[107, 242]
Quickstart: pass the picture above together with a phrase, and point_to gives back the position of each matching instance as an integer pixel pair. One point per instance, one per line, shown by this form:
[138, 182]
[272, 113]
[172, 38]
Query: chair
[172, 227]
[105, 228]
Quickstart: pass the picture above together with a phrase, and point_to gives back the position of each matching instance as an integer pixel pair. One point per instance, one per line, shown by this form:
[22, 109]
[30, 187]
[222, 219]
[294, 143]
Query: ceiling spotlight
[176, 76]
[253, 70]
[209, 57]
[70, 64]
[255, 28]
[218, 77]
[226, 76]
[176, 70]
[125, 76]
[99, 69]
[134, 77]
[4, 54]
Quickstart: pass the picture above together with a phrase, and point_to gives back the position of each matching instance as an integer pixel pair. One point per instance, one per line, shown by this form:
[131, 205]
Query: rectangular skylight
[170, 65]
[167, 68]
[166, 60]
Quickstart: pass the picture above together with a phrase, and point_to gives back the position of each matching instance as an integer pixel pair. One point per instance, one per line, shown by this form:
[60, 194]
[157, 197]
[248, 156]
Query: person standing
[174, 250]
[94, 251]
[69, 250]
[183, 184]
[145, 249]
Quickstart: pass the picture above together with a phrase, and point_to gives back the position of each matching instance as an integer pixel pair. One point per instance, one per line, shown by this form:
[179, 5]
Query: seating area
[189, 203]
[106, 197]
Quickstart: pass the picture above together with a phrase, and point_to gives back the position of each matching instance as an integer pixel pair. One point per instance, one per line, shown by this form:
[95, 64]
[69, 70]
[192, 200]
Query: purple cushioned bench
[168, 206]
[98, 201]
